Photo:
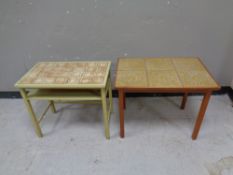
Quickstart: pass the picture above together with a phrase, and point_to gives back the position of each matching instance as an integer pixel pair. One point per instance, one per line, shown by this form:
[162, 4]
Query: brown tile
[131, 79]
[131, 64]
[159, 64]
[164, 79]
[196, 79]
[188, 64]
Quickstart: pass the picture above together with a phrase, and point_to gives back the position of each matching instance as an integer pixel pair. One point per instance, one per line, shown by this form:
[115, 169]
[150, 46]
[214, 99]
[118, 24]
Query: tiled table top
[163, 73]
[79, 74]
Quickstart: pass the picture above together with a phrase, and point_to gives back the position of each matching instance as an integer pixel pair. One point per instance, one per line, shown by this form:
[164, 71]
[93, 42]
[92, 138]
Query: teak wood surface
[164, 75]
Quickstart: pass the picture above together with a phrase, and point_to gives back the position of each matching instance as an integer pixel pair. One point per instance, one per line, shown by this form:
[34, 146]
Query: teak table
[80, 81]
[164, 75]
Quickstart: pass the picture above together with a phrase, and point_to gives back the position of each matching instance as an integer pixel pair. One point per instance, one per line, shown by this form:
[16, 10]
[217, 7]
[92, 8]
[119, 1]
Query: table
[164, 75]
[73, 81]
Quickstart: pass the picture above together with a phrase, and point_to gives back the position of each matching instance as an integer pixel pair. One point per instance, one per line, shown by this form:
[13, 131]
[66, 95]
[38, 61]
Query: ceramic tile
[131, 79]
[191, 74]
[164, 79]
[188, 64]
[131, 64]
[196, 79]
[159, 64]
[67, 73]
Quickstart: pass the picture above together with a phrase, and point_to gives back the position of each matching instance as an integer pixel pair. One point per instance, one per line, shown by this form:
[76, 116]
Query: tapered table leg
[201, 115]
[110, 95]
[53, 109]
[28, 104]
[124, 104]
[121, 109]
[105, 114]
[184, 100]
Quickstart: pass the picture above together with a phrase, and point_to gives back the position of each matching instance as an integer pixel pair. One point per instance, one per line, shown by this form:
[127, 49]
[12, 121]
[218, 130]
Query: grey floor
[158, 139]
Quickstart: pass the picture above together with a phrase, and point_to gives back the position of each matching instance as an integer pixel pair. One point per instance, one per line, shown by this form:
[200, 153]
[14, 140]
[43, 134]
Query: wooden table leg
[105, 114]
[124, 104]
[184, 100]
[110, 95]
[53, 108]
[121, 109]
[201, 114]
[31, 113]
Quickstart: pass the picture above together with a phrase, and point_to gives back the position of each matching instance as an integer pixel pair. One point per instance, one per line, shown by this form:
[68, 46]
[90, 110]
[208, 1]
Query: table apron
[164, 90]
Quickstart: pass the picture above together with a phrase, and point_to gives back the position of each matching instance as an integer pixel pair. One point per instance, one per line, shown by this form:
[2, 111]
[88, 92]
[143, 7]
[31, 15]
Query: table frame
[200, 116]
[103, 91]
[203, 90]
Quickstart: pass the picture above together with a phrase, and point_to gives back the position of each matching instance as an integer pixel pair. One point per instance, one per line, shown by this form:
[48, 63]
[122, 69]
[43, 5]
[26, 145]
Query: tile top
[158, 64]
[131, 64]
[135, 78]
[83, 74]
[163, 73]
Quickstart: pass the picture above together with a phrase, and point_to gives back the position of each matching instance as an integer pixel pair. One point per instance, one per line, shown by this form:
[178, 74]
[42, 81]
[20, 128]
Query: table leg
[124, 104]
[53, 109]
[121, 108]
[31, 113]
[201, 115]
[110, 95]
[105, 114]
[184, 100]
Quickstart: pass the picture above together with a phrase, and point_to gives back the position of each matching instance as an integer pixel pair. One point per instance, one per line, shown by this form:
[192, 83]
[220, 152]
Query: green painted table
[80, 81]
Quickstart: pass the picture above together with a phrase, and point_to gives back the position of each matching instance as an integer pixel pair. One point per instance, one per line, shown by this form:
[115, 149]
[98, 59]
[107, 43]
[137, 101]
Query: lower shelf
[64, 95]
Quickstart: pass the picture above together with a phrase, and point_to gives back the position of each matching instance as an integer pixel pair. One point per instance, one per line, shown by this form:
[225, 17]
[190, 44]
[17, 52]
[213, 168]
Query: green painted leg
[53, 109]
[105, 114]
[31, 113]
[110, 95]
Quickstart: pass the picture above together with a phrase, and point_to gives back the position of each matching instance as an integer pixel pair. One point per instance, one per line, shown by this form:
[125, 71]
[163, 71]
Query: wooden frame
[205, 91]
